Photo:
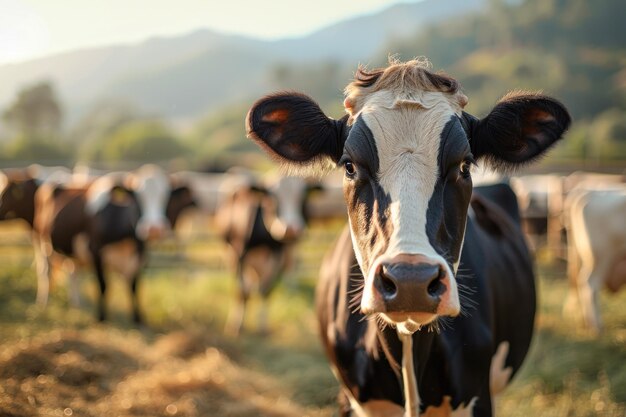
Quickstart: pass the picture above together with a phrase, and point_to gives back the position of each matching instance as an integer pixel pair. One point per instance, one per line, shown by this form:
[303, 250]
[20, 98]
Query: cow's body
[596, 232]
[442, 307]
[261, 226]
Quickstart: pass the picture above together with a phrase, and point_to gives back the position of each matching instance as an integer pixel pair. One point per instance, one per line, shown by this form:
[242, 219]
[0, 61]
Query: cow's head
[407, 148]
[17, 197]
[152, 187]
[284, 207]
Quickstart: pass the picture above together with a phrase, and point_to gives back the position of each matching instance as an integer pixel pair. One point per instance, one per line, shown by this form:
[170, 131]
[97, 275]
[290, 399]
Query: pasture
[60, 362]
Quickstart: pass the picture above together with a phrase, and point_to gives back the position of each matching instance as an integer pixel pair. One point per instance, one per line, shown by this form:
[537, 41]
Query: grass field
[60, 362]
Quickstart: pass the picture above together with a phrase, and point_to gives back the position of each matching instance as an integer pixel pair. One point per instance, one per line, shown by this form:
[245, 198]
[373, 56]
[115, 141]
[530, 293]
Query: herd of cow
[426, 302]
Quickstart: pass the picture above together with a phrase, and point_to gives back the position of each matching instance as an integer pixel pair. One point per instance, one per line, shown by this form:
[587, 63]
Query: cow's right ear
[293, 129]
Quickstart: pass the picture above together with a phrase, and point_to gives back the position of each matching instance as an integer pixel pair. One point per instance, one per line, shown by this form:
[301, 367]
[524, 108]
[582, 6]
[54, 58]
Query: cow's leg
[99, 269]
[276, 266]
[137, 316]
[74, 287]
[234, 323]
[68, 266]
[589, 284]
[42, 264]
[553, 237]
[134, 274]
[572, 302]
[585, 295]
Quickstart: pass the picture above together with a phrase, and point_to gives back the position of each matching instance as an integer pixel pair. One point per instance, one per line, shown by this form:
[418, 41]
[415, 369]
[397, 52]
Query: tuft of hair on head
[399, 77]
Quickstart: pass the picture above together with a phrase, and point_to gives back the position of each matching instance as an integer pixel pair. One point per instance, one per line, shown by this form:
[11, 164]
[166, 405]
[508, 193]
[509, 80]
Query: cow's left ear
[519, 129]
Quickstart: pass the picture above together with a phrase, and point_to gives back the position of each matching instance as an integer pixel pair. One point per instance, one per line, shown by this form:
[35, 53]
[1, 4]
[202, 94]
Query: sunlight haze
[35, 28]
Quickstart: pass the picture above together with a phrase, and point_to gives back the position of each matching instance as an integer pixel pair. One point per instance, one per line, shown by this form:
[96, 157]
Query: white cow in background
[596, 231]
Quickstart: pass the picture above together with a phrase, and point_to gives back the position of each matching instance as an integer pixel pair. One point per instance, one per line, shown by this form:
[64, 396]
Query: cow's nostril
[387, 287]
[436, 287]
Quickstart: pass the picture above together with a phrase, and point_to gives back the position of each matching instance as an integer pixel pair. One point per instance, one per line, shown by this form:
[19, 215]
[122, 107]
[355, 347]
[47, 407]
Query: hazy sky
[32, 28]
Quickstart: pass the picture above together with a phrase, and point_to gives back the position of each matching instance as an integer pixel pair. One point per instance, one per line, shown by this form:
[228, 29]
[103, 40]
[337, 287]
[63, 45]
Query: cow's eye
[465, 168]
[350, 168]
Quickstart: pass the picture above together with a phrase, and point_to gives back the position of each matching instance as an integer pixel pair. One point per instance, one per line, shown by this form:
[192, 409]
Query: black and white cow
[261, 224]
[105, 226]
[425, 306]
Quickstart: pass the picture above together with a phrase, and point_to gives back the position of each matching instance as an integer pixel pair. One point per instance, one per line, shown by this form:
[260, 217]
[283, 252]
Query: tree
[102, 120]
[35, 112]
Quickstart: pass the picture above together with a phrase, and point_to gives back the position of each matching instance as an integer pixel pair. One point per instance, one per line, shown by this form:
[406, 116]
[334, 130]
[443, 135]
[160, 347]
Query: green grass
[186, 301]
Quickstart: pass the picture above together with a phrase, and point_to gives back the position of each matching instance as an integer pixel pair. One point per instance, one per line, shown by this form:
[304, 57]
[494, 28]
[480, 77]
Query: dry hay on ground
[104, 372]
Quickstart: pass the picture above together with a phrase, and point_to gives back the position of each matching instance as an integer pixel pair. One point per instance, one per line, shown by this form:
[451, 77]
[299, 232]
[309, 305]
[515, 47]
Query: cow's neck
[394, 349]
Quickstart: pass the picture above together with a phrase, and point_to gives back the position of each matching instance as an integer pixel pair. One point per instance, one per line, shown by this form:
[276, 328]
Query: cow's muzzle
[410, 287]
[407, 287]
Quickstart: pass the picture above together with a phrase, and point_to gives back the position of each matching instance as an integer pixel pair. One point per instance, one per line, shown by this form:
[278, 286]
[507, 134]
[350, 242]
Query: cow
[103, 224]
[596, 235]
[261, 224]
[425, 306]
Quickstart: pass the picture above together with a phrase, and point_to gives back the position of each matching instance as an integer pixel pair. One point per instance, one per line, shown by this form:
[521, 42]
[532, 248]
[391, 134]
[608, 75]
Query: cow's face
[406, 149]
[152, 188]
[407, 186]
[284, 208]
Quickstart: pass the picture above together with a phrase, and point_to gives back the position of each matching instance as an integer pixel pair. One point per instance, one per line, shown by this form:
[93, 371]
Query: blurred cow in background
[261, 224]
[541, 204]
[596, 234]
[106, 226]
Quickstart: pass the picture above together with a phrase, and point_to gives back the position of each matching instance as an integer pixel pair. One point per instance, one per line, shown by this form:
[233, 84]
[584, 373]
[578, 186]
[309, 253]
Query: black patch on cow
[18, 200]
[115, 222]
[69, 221]
[180, 199]
[447, 207]
[260, 235]
[367, 202]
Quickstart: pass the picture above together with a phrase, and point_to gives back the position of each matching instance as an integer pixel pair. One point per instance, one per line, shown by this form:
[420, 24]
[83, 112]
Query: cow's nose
[410, 288]
[155, 232]
[292, 232]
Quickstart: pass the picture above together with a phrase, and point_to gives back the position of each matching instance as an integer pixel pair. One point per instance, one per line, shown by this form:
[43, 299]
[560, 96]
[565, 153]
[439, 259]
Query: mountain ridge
[138, 72]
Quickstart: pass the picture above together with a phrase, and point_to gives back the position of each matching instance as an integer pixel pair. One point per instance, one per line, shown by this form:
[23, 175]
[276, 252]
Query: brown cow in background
[261, 224]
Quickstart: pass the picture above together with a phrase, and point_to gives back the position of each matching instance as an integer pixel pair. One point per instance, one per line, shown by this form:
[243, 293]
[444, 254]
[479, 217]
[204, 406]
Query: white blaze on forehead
[408, 138]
